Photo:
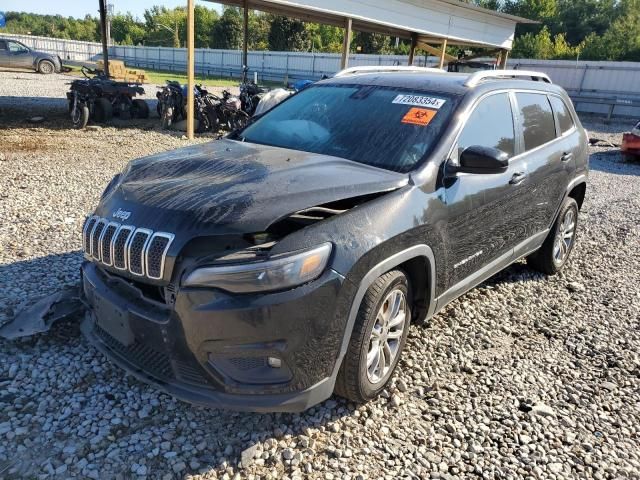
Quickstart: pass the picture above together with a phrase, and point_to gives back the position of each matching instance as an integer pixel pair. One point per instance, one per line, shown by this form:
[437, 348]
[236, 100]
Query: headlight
[278, 273]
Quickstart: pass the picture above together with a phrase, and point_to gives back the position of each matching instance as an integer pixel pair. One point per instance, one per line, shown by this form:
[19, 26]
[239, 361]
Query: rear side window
[565, 121]
[3, 45]
[490, 125]
[536, 119]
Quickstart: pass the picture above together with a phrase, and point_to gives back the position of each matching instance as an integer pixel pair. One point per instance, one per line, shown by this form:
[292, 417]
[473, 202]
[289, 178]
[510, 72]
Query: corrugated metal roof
[432, 20]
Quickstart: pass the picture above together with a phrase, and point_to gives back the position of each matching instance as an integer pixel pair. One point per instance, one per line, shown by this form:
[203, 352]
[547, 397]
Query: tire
[167, 117]
[557, 247]
[46, 67]
[102, 111]
[139, 109]
[359, 380]
[81, 117]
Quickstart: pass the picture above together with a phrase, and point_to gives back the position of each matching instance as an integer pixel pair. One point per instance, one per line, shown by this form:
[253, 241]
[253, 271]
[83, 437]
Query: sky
[80, 8]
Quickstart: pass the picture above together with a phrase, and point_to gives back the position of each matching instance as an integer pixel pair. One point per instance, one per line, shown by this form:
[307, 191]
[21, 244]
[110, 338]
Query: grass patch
[159, 77]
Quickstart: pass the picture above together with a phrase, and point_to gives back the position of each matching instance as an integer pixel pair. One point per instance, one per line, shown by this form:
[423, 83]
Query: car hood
[228, 186]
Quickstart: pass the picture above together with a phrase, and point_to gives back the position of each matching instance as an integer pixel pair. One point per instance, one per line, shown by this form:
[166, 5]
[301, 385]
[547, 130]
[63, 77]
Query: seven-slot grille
[139, 251]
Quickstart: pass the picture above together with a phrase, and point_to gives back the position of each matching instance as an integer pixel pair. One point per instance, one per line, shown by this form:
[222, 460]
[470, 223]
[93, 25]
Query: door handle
[518, 178]
[566, 156]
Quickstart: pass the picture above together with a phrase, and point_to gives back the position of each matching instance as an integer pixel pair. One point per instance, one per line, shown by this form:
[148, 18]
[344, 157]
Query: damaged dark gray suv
[269, 269]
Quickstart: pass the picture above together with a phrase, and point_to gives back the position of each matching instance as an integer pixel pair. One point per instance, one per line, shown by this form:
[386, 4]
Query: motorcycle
[250, 93]
[171, 103]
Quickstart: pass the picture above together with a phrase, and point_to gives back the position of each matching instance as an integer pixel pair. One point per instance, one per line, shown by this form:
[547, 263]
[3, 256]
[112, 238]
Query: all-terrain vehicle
[99, 98]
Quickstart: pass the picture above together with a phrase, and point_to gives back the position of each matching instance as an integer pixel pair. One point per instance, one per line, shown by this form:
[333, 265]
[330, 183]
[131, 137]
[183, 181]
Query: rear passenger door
[548, 157]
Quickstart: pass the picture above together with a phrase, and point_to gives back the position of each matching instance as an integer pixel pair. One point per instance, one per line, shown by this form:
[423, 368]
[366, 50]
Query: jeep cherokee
[266, 270]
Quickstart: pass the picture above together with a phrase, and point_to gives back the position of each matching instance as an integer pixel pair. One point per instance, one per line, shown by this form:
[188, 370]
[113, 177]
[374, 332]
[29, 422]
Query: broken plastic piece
[39, 317]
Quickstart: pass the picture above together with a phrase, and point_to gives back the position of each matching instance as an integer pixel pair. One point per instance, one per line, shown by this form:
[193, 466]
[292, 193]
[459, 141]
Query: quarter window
[536, 119]
[490, 125]
[565, 121]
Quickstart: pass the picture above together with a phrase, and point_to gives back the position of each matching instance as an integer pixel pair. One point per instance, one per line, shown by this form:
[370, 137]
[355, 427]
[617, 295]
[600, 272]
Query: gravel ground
[523, 377]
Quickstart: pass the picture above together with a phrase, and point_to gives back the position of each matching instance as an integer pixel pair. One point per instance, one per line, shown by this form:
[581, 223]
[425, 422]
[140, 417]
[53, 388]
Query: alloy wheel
[564, 237]
[386, 336]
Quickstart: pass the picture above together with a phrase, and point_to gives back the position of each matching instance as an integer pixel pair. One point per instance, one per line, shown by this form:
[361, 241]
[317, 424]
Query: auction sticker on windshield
[419, 101]
[419, 116]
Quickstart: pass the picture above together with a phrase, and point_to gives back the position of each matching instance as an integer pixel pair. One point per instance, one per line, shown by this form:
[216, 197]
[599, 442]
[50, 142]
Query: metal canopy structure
[424, 22]
[431, 21]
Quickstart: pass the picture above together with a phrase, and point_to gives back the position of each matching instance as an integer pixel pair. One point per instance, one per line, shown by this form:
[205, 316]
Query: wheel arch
[418, 263]
[578, 193]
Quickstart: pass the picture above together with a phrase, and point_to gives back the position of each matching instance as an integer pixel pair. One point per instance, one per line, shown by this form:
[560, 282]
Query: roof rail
[478, 77]
[389, 68]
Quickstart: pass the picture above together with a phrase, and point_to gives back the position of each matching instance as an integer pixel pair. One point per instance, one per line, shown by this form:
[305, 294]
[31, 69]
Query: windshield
[384, 127]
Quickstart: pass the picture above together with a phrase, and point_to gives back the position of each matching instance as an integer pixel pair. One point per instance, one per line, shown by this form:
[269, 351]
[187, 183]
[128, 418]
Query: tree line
[567, 29]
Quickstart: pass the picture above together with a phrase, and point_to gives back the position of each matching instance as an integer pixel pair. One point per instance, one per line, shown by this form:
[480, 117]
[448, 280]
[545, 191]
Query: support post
[245, 42]
[191, 64]
[442, 53]
[347, 44]
[412, 50]
[103, 34]
[504, 56]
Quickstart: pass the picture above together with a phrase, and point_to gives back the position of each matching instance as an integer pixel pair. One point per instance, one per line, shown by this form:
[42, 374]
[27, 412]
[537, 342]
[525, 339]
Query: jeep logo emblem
[121, 214]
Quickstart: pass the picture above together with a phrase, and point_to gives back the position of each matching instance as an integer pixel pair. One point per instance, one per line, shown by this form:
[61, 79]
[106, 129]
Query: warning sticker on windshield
[419, 101]
[419, 116]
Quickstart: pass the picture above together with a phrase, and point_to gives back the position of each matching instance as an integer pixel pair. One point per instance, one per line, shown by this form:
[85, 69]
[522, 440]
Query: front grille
[105, 243]
[140, 251]
[146, 359]
[86, 234]
[95, 239]
[136, 251]
[119, 247]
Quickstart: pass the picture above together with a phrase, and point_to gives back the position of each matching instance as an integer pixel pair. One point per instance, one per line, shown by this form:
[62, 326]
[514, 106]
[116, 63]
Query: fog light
[274, 362]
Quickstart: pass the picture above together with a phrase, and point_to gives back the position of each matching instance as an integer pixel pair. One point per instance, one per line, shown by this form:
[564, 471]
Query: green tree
[288, 35]
[541, 10]
[259, 25]
[227, 32]
[365, 42]
[542, 46]
[165, 27]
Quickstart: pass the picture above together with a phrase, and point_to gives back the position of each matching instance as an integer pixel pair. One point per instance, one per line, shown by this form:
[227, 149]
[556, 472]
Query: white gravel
[523, 377]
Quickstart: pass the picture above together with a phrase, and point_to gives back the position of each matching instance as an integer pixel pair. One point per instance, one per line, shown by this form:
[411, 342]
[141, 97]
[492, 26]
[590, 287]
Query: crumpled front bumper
[262, 353]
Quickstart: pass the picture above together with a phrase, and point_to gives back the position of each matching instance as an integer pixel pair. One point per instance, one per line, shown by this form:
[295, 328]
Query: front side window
[490, 125]
[390, 128]
[3, 45]
[565, 121]
[16, 47]
[536, 119]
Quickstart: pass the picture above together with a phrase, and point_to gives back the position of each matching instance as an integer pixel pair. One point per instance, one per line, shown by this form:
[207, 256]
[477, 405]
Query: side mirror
[478, 159]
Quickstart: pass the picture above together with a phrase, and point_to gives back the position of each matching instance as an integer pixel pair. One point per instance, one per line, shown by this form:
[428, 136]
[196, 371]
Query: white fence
[619, 80]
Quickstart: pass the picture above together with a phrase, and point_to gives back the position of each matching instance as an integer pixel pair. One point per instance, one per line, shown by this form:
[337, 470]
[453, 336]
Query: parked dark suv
[266, 270]
[14, 54]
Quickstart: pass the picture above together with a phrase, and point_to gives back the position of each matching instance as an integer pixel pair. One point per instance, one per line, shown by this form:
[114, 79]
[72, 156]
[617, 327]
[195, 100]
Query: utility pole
[103, 32]
[191, 83]
[110, 13]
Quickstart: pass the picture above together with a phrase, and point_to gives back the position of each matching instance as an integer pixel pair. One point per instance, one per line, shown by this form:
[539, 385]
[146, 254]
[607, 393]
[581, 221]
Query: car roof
[444, 82]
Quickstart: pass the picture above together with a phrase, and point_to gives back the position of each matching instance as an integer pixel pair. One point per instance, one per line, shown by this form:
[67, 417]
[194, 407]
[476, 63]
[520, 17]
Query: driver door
[485, 210]
[20, 55]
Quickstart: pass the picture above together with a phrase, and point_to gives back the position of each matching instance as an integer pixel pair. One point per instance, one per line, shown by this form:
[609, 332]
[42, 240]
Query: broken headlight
[278, 273]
